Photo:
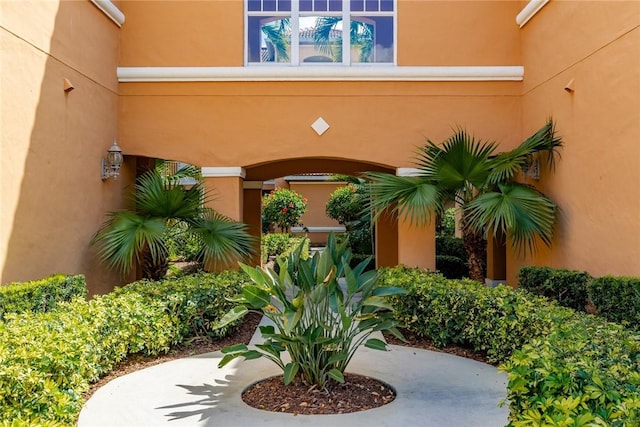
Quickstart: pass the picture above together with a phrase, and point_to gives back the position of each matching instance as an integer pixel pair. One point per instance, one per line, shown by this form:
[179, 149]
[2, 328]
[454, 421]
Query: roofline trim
[111, 10]
[319, 73]
[529, 11]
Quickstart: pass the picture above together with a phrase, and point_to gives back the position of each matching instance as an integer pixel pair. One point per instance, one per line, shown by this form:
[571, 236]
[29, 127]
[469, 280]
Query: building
[186, 81]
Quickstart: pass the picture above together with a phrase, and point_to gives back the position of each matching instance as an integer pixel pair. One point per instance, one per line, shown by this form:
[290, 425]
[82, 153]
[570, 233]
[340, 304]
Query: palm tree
[162, 202]
[484, 187]
[360, 33]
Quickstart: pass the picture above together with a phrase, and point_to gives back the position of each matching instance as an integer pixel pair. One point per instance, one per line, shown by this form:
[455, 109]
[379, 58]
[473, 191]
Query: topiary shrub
[284, 208]
[348, 206]
[41, 295]
[568, 287]
[617, 299]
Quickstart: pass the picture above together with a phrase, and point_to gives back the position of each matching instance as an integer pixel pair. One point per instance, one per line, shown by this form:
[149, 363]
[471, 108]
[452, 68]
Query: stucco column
[416, 243]
[496, 259]
[386, 241]
[224, 185]
[252, 213]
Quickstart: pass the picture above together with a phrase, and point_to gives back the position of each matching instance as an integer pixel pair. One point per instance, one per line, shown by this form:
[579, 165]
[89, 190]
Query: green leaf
[252, 354]
[382, 292]
[257, 297]
[231, 316]
[290, 371]
[377, 302]
[336, 375]
[228, 358]
[254, 273]
[375, 344]
[338, 357]
[236, 348]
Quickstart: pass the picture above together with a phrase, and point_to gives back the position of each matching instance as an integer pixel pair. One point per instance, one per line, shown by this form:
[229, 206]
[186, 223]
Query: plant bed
[357, 393]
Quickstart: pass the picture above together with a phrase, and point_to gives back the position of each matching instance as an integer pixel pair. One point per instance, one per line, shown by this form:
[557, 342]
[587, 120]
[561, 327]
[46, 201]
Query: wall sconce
[111, 165]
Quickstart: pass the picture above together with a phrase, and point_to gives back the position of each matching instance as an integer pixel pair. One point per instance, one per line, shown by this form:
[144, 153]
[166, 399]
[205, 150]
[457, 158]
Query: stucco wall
[53, 199]
[597, 45]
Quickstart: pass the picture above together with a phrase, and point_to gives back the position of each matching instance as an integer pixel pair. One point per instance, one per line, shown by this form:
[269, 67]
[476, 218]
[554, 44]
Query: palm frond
[123, 237]
[322, 37]
[545, 141]
[156, 197]
[224, 240]
[412, 198]
[520, 211]
[277, 34]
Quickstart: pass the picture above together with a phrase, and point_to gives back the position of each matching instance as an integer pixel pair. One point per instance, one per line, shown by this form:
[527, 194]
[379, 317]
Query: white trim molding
[408, 172]
[315, 73]
[529, 11]
[308, 178]
[223, 172]
[111, 10]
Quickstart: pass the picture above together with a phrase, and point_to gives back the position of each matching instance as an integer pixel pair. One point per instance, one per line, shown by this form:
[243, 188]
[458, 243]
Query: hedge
[48, 360]
[40, 295]
[564, 368]
[617, 299]
[568, 287]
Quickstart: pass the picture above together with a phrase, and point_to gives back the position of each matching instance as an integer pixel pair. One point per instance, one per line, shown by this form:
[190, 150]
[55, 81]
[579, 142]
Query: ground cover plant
[564, 368]
[48, 360]
[317, 322]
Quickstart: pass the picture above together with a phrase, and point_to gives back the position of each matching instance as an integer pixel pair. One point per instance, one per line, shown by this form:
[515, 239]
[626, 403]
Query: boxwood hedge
[48, 360]
[564, 368]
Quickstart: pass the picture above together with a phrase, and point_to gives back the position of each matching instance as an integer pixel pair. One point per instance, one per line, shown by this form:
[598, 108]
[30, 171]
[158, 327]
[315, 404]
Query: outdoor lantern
[111, 165]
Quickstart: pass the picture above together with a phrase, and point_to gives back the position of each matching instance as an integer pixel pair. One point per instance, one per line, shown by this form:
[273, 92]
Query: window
[299, 32]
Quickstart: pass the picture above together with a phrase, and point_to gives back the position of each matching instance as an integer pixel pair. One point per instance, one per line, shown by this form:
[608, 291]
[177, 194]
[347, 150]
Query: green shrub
[278, 244]
[451, 267]
[564, 368]
[40, 295]
[617, 299]
[452, 246]
[447, 224]
[568, 287]
[48, 360]
[181, 244]
[193, 301]
[284, 208]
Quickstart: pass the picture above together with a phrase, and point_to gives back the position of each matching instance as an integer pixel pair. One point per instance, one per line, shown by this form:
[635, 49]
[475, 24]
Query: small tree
[284, 208]
[349, 206]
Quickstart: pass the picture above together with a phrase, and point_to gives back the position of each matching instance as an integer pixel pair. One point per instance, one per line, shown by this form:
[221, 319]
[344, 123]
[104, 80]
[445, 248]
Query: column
[252, 213]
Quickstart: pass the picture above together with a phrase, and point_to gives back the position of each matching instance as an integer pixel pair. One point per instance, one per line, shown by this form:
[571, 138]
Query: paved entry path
[433, 389]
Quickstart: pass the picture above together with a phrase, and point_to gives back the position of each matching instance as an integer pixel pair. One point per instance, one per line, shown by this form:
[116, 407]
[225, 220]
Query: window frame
[295, 14]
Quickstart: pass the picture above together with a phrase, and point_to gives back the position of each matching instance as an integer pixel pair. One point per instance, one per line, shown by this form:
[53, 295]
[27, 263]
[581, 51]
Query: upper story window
[298, 32]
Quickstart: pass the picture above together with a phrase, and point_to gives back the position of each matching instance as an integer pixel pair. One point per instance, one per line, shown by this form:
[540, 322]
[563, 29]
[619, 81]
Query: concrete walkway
[433, 389]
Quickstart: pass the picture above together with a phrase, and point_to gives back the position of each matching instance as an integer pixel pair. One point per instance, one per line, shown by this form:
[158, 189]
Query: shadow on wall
[53, 195]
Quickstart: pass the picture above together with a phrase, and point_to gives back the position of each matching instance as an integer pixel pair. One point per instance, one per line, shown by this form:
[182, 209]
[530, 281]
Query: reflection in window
[312, 31]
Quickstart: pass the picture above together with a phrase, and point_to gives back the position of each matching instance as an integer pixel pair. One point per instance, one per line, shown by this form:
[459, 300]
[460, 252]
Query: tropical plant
[316, 319]
[277, 34]
[483, 184]
[161, 202]
[360, 33]
[283, 207]
[349, 206]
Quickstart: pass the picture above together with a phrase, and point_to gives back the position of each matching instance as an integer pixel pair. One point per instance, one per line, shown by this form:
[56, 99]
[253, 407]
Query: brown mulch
[359, 393]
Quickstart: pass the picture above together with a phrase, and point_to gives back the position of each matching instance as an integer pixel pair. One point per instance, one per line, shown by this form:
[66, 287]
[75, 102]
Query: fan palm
[467, 171]
[161, 203]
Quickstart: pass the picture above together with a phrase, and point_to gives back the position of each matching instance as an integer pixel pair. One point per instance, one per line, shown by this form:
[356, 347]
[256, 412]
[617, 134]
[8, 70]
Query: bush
[617, 299]
[347, 205]
[275, 244]
[452, 267]
[284, 208]
[446, 227]
[452, 246]
[564, 368]
[181, 244]
[41, 295]
[568, 287]
[195, 302]
[48, 360]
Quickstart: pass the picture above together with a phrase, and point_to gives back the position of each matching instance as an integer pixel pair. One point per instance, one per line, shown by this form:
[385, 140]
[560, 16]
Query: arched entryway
[238, 193]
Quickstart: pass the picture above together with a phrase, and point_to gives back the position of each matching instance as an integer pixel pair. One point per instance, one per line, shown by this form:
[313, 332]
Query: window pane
[269, 5]
[386, 5]
[335, 5]
[269, 39]
[320, 5]
[284, 5]
[321, 39]
[306, 5]
[254, 5]
[371, 5]
[357, 5]
[372, 39]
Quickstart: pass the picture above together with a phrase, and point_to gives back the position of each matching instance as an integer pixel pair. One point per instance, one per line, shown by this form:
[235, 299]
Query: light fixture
[111, 165]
